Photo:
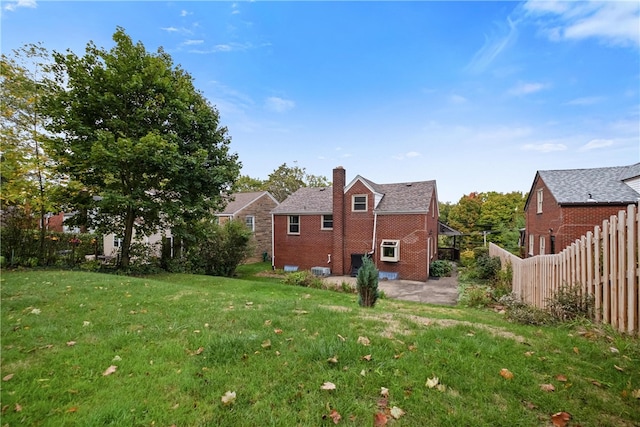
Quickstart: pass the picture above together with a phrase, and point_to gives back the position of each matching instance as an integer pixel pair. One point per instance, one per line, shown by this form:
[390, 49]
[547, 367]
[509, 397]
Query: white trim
[390, 244]
[289, 225]
[366, 203]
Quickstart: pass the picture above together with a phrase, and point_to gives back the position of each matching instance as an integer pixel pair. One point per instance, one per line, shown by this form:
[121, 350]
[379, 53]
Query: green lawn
[177, 343]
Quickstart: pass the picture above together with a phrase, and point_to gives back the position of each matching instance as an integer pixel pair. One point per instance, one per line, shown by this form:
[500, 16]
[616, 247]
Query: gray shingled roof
[397, 198]
[307, 200]
[239, 201]
[604, 184]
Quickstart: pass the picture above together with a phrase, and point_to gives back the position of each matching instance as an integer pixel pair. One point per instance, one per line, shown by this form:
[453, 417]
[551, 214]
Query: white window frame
[250, 222]
[291, 223]
[539, 200]
[542, 245]
[117, 241]
[531, 243]
[324, 220]
[353, 202]
[390, 250]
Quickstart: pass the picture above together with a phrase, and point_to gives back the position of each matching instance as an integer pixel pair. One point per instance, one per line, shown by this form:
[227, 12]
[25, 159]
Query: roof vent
[590, 199]
[408, 184]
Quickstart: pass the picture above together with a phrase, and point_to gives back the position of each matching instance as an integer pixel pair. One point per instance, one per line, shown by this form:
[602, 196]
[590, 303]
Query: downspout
[273, 244]
[373, 238]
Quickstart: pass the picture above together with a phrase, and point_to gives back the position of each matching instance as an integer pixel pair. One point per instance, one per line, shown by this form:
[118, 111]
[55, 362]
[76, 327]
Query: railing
[605, 264]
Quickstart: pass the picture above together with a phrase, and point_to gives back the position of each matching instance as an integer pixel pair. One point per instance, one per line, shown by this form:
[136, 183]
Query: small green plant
[303, 278]
[367, 283]
[569, 303]
[488, 267]
[467, 258]
[519, 312]
[475, 296]
[440, 268]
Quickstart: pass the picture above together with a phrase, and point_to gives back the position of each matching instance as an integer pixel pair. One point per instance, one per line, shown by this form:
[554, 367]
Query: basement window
[390, 250]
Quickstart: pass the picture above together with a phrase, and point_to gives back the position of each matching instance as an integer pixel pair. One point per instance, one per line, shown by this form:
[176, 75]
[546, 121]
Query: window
[359, 202]
[390, 250]
[117, 241]
[542, 243]
[327, 222]
[531, 242]
[250, 222]
[294, 224]
[539, 199]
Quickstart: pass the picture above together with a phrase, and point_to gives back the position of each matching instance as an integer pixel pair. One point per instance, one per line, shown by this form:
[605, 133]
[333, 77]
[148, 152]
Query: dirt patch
[271, 274]
[394, 326]
[335, 308]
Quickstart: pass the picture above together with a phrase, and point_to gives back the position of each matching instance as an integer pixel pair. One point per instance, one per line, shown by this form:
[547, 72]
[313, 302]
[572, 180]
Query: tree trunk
[129, 220]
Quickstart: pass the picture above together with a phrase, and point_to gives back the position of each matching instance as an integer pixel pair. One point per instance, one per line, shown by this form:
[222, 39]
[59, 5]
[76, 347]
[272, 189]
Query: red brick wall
[308, 249]
[568, 223]
[338, 250]
[358, 225]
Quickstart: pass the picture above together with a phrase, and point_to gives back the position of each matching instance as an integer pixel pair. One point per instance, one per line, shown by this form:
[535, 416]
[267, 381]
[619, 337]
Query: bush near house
[367, 283]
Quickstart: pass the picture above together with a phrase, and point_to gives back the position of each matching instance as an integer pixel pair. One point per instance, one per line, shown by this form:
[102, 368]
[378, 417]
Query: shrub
[440, 268]
[519, 312]
[488, 267]
[367, 283]
[475, 296]
[303, 278]
[222, 249]
[467, 258]
[569, 303]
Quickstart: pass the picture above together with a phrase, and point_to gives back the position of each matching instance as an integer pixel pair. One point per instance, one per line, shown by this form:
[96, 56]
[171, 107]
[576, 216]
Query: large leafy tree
[285, 180]
[25, 168]
[142, 147]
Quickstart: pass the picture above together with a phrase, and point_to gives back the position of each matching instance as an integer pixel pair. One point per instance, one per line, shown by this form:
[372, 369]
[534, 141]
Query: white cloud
[192, 42]
[546, 147]
[596, 143]
[20, 3]
[170, 29]
[527, 88]
[457, 99]
[408, 155]
[493, 46]
[613, 22]
[184, 13]
[278, 105]
[587, 100]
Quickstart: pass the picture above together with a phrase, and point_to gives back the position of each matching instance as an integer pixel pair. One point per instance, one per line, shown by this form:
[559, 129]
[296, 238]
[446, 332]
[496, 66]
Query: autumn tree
[25, 168]
[246, 184]
[285, 180]
[142, 146]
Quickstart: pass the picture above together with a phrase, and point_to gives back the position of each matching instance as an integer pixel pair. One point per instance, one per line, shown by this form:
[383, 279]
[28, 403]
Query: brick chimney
[337, 258]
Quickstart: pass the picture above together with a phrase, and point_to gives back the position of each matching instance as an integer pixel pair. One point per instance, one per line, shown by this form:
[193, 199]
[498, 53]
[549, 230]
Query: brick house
[563, 205]
[255, 210]
[333, 227]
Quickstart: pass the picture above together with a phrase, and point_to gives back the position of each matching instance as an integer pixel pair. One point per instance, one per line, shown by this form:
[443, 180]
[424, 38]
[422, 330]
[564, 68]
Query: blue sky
[476, 95]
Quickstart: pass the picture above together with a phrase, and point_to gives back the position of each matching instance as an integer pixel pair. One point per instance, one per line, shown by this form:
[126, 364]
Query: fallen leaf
[618, 368]
[266, 344]
[561, 378]
[18, 407]
[328, 386]
[412, 347]
[432, 382]
[333, 359]
[117, 358]
[71, 343]
[7, 377]
[383, 402]
[396, 412]
[228, 397]
[267, 322]
[529, 405]
[529, 353]
[363, 373]
[199, 350]
[614, 350]
[379, 419]
[72, 409]
[110, 370]
[576, 350]
[398, 356]
[364, 341]
[506, 374]
[277, 331]
[367, 357]
[86, 323]
[596, 383]
[342, 338]
[335, 416]
[441, 388]
[36, 311]
[560, 419]
[248, 303]
[384, 391]
[547, 387]
[636, 393]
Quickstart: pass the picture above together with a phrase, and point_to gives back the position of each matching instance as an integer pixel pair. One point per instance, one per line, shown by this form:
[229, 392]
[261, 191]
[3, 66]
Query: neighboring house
[254, 209]
[56, 222]
[333, 227]
[111, 243]
[563, 205]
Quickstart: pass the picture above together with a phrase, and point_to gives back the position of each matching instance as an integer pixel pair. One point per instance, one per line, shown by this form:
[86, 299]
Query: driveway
[442, 291]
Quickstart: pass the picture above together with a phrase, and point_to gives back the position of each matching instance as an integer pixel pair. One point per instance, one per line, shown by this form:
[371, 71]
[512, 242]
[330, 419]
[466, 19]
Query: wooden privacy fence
[604, 263]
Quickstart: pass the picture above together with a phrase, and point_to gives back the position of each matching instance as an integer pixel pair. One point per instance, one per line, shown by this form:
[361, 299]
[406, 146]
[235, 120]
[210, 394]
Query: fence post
[632, 283]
